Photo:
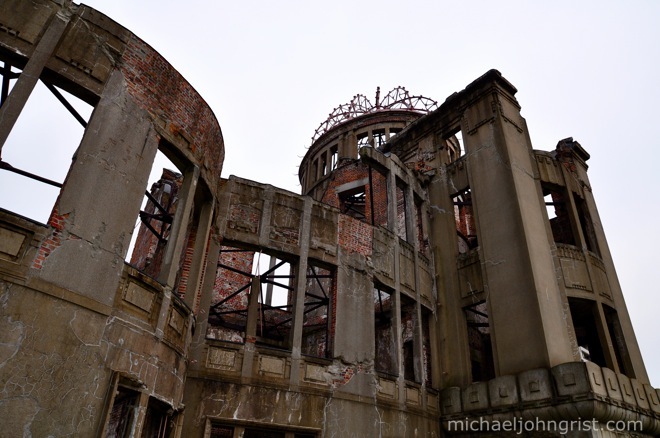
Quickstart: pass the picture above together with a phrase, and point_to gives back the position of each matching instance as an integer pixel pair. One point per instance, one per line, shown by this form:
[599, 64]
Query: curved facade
[435, 273]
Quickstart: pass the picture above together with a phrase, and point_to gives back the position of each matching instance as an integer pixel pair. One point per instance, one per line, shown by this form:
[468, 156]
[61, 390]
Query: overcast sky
[273, 71]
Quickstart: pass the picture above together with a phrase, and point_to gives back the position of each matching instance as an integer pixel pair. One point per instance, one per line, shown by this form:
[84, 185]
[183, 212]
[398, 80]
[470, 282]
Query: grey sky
[273, 71]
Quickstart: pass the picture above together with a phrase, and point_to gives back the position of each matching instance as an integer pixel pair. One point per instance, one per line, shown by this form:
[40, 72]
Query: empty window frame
[317, 316]
[158, 421]
[586, 224]
[385, 360]
[479, 342]
[409, 338]
[123, 413]
[465, 225]
[618, 341]
[156, 216]
[334, 157]
[314, 175]
[588, 330]
[401, 226]
[558, 209]
[229, 302]
[363, 140]
[379, 138]
[39, 150]
[419, 221]
[324, 164]
[378, 196]
[454, 146]
[353, 203]
[228, 316]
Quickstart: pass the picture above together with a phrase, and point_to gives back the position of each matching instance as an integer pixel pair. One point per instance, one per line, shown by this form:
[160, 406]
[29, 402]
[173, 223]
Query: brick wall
[158, 88]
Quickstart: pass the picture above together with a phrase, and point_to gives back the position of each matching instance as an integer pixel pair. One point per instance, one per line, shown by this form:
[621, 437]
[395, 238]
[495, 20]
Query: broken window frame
[618, 340]
[353, 202]
[401, 227]
[384, 321]
[320, 278]
[589, 332]
[465, 218]
[40, 192]
[265, 308]
[410, 348]
[481, 356]
[556, 197]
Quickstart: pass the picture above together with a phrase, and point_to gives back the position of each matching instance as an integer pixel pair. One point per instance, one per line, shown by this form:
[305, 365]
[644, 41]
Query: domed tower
[349, 127]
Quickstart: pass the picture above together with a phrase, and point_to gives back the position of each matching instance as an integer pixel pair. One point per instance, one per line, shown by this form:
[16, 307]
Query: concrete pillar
[514, 247]
[177, 239]
[301, 285]
[454, 357]
[199, 254]
[26, 82]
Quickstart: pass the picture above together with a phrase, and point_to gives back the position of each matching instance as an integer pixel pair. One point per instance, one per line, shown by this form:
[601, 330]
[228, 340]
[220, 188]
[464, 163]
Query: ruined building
[435, 269]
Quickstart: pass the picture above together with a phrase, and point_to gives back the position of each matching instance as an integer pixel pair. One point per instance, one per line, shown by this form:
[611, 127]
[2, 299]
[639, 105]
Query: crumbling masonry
[435, 269]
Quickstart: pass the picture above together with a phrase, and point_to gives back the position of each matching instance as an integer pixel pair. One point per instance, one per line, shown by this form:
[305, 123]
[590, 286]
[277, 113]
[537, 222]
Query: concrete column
[206, 294]
[516, 254]
[452, 342]
[301, 285]
[177, 239]
[634, 360]
[199, 254]
[26, 82]
[251, 327]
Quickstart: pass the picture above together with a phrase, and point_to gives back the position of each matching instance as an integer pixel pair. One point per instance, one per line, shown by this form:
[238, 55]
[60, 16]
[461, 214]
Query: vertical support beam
[516, 253]
[251, 328]
[174, 248]
[452, 338]
[391, 197]
[200, 251]
[301, 286]
[26, 82]
[206, 294]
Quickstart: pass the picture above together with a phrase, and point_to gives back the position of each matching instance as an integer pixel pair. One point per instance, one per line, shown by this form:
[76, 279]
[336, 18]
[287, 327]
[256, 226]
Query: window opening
[419, 220]
[353, 203]
[379, 138]
[394, 131]
[324, 165]
[154, 222]
[558, 213]
[231, 295]
[35, 162]
[158, 421]
[334, 155]
[123, 413]
[585, 324]
[315, 170]
[454, 146]
[408, 327]
[401, 220]
[385, 351]
[479, 342]
[317, 320]
[587, 225]
[618, 340]
[465, 225]
[363, 141]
